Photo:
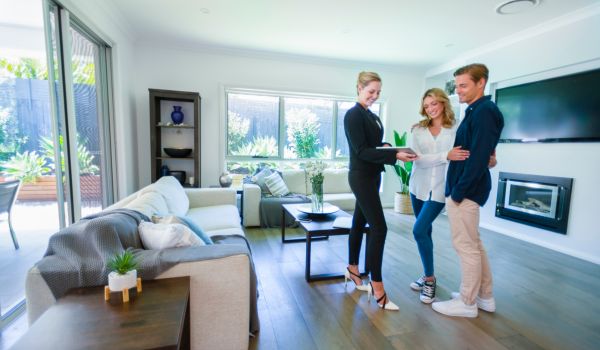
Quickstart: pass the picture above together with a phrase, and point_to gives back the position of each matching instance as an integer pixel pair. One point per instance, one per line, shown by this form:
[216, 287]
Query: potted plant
[124, 273]
[402, 198]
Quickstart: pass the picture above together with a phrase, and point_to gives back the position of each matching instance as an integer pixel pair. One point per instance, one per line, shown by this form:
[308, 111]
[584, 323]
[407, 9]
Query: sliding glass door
[25, 130]
[80, 65]
[54, 134]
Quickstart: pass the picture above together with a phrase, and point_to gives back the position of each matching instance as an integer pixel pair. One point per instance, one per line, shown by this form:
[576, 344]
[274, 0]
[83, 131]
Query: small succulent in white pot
[124, 273]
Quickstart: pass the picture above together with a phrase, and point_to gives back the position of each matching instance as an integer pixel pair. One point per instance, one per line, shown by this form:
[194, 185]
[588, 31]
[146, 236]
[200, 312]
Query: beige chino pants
[475, 267]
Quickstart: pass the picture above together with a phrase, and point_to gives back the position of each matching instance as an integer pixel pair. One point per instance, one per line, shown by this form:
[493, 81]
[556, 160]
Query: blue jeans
[425, 212]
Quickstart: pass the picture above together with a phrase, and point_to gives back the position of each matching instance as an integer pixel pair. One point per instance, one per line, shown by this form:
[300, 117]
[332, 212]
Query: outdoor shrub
[27, 166]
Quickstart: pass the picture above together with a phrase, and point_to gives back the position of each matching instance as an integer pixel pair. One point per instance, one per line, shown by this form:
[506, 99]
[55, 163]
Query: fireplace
[540, 201]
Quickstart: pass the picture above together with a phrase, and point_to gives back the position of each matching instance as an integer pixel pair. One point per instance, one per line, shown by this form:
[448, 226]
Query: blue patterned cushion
[276, 185]
[197, 230]
[175, 219]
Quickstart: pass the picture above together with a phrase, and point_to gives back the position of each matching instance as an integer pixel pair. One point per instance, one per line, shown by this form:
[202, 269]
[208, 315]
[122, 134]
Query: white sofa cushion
[172, 191]
[226, 232]
[344, 201]
[161, 236]
[295, 181]
[215, 217]
[336, 181]
[149, 204]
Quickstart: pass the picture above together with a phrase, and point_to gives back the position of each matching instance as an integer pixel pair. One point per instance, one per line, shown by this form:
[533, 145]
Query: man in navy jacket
[468, 185]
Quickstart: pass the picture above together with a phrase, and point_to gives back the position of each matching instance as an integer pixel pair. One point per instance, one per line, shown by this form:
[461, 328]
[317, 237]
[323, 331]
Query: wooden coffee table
[158, 318]
[317, 228]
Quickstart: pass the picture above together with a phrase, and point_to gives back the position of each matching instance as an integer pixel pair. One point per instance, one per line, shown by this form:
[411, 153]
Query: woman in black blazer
[364, 132]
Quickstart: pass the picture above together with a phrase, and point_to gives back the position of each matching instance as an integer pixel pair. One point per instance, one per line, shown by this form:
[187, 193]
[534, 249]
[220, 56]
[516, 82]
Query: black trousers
[365, 186]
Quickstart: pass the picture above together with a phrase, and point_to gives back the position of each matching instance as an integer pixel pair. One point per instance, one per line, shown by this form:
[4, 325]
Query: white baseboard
[571, 252]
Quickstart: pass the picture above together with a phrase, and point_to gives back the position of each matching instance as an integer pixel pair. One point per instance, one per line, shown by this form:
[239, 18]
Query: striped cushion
[276, 185]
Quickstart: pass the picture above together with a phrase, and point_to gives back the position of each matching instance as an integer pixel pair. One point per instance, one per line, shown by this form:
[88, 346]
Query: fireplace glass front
[541, 201]
[532, 198]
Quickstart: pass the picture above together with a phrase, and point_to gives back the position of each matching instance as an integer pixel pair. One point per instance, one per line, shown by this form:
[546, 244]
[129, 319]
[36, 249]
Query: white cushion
[226, 232]
[336, 181]
[149, 204]
[276, 185]
[295, 181]
[161, 236]
[173, 193]
[344, 201]
[215, 217]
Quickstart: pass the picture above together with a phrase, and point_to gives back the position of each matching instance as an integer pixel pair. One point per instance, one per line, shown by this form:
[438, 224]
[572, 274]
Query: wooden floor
[545, 300]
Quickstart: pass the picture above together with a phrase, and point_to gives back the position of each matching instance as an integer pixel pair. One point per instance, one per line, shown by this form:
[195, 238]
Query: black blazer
[364, 131]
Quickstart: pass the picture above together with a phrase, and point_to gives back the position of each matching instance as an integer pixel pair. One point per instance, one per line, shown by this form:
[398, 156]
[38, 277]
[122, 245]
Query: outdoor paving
[34, 222]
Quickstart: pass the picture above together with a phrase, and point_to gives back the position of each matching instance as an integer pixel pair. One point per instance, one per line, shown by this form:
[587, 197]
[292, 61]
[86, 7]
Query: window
[252, 125]
[280, 128]
[308, 125]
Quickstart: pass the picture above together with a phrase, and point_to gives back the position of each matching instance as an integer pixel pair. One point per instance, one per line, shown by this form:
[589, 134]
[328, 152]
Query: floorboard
[545, 299]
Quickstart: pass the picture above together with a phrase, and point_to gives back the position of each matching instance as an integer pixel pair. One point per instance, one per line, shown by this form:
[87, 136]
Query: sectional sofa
[220, 292]
[336, 191]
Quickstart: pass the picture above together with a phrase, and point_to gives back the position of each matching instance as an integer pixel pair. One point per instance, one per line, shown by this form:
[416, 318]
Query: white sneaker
[455, 307]
[488, 305]
[418, 284]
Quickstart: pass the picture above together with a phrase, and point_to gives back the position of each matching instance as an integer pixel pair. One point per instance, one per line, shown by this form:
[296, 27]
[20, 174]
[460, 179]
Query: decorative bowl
[327, 209]
[178, 152]
[179, 175]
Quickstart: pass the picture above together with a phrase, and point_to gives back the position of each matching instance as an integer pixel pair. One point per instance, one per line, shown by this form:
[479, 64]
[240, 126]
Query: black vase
[177, 115]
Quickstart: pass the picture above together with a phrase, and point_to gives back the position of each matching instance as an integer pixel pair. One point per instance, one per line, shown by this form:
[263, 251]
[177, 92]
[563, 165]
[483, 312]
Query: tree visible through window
[252, 125]
[278, 127]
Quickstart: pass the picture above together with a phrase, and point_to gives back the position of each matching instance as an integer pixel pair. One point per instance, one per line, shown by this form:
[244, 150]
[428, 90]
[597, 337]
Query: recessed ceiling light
[515, 6]
[205, 11]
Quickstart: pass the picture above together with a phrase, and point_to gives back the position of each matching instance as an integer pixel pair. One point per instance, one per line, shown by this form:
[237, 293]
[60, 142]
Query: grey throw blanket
[77, 255]
[270, 209]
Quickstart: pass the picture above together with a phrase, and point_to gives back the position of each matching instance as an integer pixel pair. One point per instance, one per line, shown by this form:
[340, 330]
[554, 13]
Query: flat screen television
[562, 109]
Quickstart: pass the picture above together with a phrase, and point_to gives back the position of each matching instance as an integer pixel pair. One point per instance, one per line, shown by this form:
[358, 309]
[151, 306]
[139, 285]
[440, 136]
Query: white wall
[104, 22]
[209, 71]
[567, 44]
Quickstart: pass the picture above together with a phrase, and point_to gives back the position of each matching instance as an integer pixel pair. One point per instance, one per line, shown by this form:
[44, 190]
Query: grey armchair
[8, 194]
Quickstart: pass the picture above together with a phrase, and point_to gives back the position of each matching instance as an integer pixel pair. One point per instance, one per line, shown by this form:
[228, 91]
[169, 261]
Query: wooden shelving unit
[163, 135]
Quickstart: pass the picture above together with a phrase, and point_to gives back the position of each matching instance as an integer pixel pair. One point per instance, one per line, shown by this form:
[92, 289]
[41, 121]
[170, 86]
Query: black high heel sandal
[386, 304]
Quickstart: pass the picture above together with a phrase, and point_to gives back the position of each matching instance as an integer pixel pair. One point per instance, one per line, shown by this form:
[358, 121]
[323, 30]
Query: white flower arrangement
[314, 171]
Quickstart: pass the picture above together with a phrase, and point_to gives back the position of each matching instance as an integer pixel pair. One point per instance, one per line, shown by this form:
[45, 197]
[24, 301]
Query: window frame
[282, 136]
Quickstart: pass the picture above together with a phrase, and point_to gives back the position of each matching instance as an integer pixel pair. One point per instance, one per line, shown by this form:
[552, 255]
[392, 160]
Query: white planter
[116, 282]
[402, 203]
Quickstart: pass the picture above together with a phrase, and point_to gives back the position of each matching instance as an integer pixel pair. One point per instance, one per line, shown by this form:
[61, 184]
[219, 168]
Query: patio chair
[8, 194]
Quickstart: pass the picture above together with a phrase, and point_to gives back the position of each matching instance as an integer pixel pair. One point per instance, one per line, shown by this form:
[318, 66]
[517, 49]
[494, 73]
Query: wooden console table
[158, 318]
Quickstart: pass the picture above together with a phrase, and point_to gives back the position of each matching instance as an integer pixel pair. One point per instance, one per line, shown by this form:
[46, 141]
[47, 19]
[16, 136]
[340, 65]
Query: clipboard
[396, 149]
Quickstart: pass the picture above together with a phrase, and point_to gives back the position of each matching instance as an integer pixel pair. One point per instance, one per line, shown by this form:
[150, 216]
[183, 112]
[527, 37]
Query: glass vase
[316, 199]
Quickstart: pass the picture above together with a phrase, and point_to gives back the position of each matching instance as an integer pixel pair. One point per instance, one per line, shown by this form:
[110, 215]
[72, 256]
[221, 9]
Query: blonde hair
[440, 96]
[364, 78]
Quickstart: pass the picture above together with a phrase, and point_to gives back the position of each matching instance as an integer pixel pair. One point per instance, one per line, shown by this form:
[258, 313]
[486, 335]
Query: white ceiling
[398, 32]
[395, 32]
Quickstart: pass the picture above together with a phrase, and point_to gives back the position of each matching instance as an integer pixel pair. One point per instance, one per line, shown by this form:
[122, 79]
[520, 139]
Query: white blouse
[429, 171]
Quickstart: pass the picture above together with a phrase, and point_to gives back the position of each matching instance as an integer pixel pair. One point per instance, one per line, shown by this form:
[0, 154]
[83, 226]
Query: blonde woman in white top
[432, 139]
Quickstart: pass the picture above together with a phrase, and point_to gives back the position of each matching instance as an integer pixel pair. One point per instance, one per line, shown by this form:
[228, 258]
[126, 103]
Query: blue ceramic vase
[177, 115]
[164, 170]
